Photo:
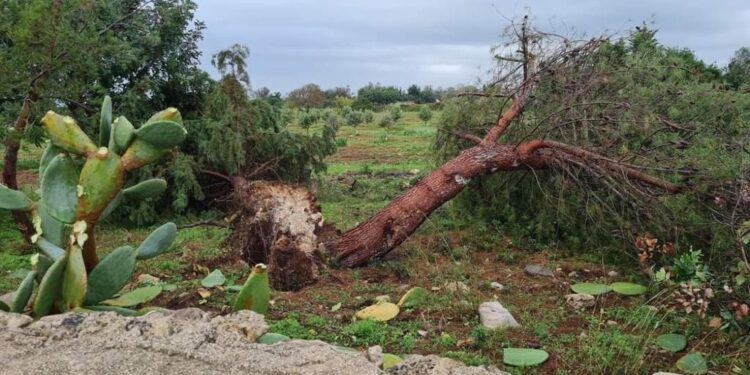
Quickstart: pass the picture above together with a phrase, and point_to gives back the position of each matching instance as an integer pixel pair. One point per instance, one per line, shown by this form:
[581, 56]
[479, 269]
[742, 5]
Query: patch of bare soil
[28, 177]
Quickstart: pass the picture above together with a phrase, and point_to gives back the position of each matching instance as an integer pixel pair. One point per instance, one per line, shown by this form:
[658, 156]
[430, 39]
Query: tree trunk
[10, 159]
[395, 223]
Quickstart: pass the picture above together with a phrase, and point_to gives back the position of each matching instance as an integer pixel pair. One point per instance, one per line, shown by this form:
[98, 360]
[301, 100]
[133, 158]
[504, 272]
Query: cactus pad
[59, 188]
[110, 275]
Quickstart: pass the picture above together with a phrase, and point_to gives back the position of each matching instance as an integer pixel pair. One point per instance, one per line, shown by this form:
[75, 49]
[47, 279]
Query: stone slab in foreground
[181, 342]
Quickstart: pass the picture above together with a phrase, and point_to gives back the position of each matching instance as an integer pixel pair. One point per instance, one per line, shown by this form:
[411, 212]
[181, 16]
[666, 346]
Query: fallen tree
[296, 256]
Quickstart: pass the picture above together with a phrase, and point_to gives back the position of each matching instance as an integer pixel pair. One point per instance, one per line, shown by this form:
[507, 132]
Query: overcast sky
[437, 42]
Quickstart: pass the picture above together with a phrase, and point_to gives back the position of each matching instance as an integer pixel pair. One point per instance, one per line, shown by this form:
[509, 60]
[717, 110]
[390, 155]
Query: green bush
[643, 103]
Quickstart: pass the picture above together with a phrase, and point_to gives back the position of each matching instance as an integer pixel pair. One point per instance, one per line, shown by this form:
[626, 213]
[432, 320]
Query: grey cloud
[443, 43]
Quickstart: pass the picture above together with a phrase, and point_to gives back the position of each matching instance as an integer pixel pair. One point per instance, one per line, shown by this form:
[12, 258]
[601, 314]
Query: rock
[579, 300]
[187, 342]
[457, 287]
[7, 298]
[613, 274]
[434, 365]
[422, 332]
[163, 343]
[497, 286]
[573, 274]
[374, 354]
[494, 315]
[538, 270]
[12, 321]
[145, 278]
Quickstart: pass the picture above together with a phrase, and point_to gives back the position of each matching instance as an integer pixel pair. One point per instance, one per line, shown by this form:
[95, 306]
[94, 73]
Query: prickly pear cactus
[67, 274]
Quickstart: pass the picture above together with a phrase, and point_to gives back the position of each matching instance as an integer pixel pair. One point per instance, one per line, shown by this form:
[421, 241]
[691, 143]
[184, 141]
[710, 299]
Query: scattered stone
[434, 365]
[457, 287]
[422, 332]
[7, 298]
[579, 300]
[573, 274]
[374, 354]
[14, 321]
[435, 288]
[497, 286]
[613, 274]
[538, 270]
[494, 315]
[145, 278]
[611, 323]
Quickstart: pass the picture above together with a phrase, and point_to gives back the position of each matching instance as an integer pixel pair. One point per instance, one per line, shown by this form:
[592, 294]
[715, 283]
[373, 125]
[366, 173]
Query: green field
[614, 335]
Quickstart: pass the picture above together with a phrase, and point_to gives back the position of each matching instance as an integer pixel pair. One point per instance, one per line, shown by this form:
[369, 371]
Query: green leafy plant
[689, 267]
[80, 185]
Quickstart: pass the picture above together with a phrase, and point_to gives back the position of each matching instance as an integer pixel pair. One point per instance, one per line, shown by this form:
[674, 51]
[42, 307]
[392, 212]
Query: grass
[616, 335]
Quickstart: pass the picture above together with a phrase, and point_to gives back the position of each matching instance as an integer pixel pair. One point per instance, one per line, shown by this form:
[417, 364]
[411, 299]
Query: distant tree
[414, 93]
[372, 96]
[66, 55]
[420, 95]
[232, 62]
[307, 119]
[368, 116]
[335, 93]
[354, 118]
[738, 71]
[307, 96]
[425, 114]
[395, 111]
[263, 92]
[386, 122]
[341, 102]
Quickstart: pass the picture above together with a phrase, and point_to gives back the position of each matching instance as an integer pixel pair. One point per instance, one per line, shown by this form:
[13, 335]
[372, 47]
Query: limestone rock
[538, 270]
[494, 315]
[579, 300]
[11, 321]
[434, 365]
[496, 286]
[182, 342]
[457, 287]
[374, 354]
